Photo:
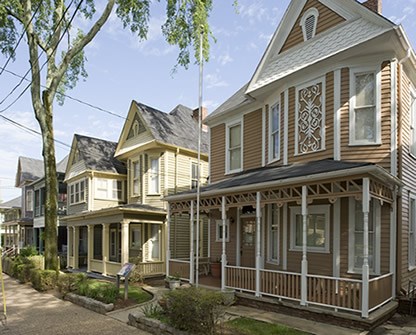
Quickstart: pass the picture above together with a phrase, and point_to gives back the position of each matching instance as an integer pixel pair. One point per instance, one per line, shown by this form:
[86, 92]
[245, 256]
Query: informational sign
[126, 270]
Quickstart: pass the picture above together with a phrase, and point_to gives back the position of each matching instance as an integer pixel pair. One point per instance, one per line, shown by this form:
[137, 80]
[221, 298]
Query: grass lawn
[244, 326]
[137, 294]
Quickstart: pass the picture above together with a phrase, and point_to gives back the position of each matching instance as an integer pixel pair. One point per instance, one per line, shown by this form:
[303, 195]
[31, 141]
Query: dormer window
[308, 23]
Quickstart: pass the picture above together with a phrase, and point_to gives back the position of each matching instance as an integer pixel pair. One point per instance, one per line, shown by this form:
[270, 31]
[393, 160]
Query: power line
[20, 39]
[40, 54]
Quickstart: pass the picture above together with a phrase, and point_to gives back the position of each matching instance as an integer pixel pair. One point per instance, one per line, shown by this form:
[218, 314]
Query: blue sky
[121, 69]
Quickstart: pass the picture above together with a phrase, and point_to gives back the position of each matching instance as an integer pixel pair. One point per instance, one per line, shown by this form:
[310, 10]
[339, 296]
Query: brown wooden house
[312, 186]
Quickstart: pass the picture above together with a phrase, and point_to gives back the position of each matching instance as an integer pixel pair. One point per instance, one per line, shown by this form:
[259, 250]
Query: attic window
[309, 22]
[136, 129]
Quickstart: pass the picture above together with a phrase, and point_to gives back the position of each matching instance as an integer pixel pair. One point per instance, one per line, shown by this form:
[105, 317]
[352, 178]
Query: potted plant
[216, 268]
[174, 281]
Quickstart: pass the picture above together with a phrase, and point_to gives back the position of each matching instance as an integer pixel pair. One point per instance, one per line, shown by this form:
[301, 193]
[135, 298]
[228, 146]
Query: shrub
[68, 282]
[28, 251]
[193, 309]
[43, 280]
[98, 290]
[8, 264]
[22, 272]
[38, 261]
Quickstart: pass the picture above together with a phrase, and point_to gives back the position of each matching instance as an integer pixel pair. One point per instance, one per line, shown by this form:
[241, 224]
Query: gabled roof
[98, 154]
[361, 25]
[177, 128]
[28, 170]
[61, 166]
[14, 203]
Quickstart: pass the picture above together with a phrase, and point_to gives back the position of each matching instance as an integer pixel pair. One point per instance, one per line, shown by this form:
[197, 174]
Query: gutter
[372, 169]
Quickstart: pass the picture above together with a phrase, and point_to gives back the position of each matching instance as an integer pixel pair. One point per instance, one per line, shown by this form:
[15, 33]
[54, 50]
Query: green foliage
[68, 282]
[137, 294]
[153, 311]
[135, 15]
[193, 309]
[7, 265]
[22, 272]
[98, 290]
[43, 280]
[254, 327]
[28, 251]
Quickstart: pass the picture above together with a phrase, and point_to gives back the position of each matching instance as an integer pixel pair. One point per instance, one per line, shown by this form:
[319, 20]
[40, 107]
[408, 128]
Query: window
[413, 122]
[194, 175]
[98, 242]
[412, 233]
[310, 117]
[219, 226]
[274, 219]
[356, 238]
[109, 189]
[136, 237]
[154, 176]
[115, 243]
[155, 242]
[317, 229]
[136, 178]
[308, 23]
[37, 203]
[29, 200]
[77, 192]
[234, 150]
[364, 106]
[274, 143]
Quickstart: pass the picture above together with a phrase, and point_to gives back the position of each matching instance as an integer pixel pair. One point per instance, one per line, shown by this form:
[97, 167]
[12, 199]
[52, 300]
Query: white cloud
[214, 80]
[225, 58]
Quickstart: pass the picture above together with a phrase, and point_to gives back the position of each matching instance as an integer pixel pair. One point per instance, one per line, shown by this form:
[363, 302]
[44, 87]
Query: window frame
[218, 231]
[310, 12]
[191, 174]
[109, 189]
[275, 132]
[29, 201]
[412, 233]
[74, 193]
[136, 227]
[376, 70]
[230, 125]
[151, 241]
[314, 209]
[151, 174]
[412, 110]
[135, 178]
[273, 211]
[376, 217]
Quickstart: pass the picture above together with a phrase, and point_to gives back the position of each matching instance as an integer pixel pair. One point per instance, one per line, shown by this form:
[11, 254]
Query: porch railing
[281, 284]
[380, 291]
[180, 267]
[151, 268]
[339, 293]
[240, 278]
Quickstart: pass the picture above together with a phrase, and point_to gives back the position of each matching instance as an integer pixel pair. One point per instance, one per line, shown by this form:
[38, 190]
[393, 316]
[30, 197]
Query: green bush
[38, 261]
[7, 265]
[194, 310]
[28, 251]
[43, 280]
[23, 272]
[68, 282]
[98, 290]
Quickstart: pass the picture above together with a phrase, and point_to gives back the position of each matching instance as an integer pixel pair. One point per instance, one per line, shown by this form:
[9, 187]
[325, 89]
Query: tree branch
[14, 15]
[79, 45]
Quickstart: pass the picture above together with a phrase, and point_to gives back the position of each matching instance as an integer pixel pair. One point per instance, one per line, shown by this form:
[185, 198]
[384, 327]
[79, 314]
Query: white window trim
[310, 12]
[29, 200]
[360, 70]
[412, 110]
[227, 151]
[150, 174]
[218, 228]
[321, 80]
[132, 227]
[110, 189]
[315, 209]
[138, 178]
[192, 163]
[150, 241]
[412, 254]
[269, 229]
[81, 200]
[271, 159]
[351, 238]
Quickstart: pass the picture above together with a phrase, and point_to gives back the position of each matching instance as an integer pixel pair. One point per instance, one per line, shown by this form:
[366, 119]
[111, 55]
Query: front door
[248, 242]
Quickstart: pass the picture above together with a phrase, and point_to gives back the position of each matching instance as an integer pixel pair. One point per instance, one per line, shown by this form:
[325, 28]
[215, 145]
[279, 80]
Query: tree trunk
[51, 184]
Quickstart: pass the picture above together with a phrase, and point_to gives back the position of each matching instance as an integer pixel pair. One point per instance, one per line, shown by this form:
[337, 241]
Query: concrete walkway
[32, 313]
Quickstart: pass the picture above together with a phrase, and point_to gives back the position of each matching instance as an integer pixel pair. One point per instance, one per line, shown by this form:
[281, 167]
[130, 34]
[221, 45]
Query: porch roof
[288, 174]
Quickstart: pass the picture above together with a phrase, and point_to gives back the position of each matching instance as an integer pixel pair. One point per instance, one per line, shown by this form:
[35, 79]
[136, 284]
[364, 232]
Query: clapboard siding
[217, 153]
[252, 144]
[327, 19]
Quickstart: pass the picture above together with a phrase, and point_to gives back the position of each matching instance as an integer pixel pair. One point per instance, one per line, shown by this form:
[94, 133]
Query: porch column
[75, 243]
[69, 247]
[238, 239]
[168, 240]
[124, 242]
[258, 241]
[191, 252]
[14, 236]
[105, 250]
[18, 237]
[304, 281]
[223, 255]
[393, 243]
[365, 271]
[90, 246]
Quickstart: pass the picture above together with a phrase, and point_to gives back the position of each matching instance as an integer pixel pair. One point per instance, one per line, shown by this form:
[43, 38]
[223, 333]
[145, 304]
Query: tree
[48, 26]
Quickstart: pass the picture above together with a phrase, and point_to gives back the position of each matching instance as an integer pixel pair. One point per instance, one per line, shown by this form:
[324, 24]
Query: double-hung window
[219, 231]
[136, 178]
[234, 148]
[274, 142]
[29, 200]
[154, 176]
[356, 238]
[413, 122]
[77, 192]
[317, 228]
[194, 175]
[412, 232]
[154, 250]
[365, 120]
[109, 189]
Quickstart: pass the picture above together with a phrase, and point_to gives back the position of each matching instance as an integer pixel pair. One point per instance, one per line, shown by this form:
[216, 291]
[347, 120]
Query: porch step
[320, 314]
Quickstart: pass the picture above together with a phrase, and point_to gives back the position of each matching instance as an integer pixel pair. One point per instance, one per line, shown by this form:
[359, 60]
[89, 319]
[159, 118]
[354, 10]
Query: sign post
[125, 272]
